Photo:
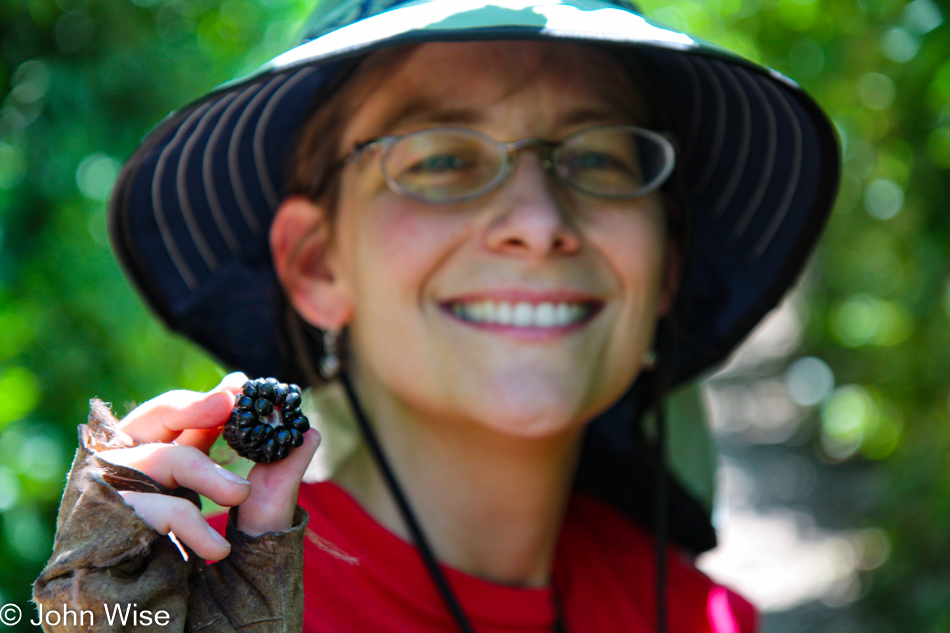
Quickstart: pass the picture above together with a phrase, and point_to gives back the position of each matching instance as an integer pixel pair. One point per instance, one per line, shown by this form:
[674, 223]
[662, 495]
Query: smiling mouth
[524, 314]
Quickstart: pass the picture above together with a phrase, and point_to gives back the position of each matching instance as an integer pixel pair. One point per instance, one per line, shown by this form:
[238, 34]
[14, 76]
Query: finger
[270, 507]
[171, 514]
[163, 418]
[233, 382]
[172, 466]
[202, 439]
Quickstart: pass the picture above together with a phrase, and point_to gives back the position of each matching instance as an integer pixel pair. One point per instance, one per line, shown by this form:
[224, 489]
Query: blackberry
[266, 422]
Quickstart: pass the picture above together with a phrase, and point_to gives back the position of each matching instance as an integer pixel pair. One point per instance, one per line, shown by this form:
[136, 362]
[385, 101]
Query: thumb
[274, 487]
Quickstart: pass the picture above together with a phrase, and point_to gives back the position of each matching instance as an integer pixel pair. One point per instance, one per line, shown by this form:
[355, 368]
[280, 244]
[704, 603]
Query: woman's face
[416, 280]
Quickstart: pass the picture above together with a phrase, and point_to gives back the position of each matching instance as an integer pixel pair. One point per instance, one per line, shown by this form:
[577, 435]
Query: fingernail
[232, 477]
[231, 382]
[237, 378]
[220, 540]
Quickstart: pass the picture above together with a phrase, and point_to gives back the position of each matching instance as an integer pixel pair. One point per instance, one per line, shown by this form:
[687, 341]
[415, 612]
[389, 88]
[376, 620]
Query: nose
[533, 217]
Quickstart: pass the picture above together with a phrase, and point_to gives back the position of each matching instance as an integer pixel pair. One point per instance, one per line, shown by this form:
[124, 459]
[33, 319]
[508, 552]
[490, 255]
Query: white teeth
[545, 315]
[503, 313]
[521, 314]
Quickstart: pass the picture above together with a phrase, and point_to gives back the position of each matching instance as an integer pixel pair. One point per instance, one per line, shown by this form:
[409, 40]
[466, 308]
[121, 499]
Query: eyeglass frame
[509, 149]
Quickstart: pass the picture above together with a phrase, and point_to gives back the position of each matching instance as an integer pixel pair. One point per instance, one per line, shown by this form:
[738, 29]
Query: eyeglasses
[446, 164]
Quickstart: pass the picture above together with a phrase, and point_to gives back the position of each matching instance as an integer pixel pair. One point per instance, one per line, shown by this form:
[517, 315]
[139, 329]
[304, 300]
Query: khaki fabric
[105, 556]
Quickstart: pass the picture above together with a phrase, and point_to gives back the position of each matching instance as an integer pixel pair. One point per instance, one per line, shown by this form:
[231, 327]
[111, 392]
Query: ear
[300, 238]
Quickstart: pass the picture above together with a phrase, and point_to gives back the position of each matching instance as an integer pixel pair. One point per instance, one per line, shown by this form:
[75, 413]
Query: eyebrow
[609, 112]
[426, 110]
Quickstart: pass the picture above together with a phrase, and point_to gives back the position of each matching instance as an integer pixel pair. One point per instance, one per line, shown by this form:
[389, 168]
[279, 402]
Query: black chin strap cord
[662, 518]
[408, 515]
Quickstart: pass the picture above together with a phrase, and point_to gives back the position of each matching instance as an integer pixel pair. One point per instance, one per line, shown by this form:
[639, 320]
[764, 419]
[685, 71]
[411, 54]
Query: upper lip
[524, 295]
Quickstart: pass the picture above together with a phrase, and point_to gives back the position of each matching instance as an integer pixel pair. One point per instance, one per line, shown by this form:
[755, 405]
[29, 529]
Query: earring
[330, 363]
[649, 360]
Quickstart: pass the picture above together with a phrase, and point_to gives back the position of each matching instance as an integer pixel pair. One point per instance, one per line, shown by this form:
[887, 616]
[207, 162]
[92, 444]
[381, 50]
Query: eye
[440, 163]
[593, 169]
[594, 160]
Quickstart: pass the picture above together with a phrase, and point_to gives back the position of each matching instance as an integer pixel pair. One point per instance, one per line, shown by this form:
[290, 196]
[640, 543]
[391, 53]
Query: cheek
[635, 251]
[401, 252]
[403, 246]
[391, 240]
[635, 245]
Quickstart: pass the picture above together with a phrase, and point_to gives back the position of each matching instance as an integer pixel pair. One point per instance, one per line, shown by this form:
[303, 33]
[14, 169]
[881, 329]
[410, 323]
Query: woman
[476, 207]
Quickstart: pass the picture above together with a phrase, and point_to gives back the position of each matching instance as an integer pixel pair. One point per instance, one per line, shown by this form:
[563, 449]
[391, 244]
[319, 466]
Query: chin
[533, 411]
[524, 425]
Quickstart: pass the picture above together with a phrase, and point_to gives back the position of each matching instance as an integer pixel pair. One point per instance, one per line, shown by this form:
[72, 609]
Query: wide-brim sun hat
[758, 160]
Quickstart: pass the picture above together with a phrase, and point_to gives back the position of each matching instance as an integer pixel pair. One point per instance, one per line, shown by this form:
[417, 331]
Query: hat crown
[331, 15]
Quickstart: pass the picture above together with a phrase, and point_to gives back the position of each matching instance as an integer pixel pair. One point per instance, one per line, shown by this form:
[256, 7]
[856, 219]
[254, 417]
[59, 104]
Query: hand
[176, 430]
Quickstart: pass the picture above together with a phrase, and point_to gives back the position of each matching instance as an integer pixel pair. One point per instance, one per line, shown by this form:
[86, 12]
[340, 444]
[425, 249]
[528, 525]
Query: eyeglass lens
[445, 165]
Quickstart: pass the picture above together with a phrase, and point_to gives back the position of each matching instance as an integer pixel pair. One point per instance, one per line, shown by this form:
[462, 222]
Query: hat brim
[192, 206]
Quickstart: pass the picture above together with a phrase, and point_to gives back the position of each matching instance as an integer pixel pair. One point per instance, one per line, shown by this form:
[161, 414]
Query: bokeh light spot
[856, 320]
[9, 488]
[31, 81]
[74, 31]
[43, 457]
[874, 548]
[19, 381]
[96, 174]
[899, 46]
[845, 418]
[922, 16]
[876, 91]
[12, 166]
[856, 418]
[883, 198]
[863, 319]
[809, 381]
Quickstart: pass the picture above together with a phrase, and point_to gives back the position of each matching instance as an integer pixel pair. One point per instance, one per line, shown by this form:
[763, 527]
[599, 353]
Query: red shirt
[361, 578]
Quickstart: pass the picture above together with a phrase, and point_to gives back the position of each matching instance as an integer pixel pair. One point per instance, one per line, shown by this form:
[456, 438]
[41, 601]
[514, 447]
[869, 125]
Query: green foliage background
[81, 81]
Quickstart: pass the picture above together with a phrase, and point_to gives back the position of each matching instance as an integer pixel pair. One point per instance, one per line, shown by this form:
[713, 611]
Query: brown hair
[317, 156]
[315, 162]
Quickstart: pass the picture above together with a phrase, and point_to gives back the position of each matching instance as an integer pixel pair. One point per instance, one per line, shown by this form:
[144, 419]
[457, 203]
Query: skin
[497, 413]
[177, 429]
